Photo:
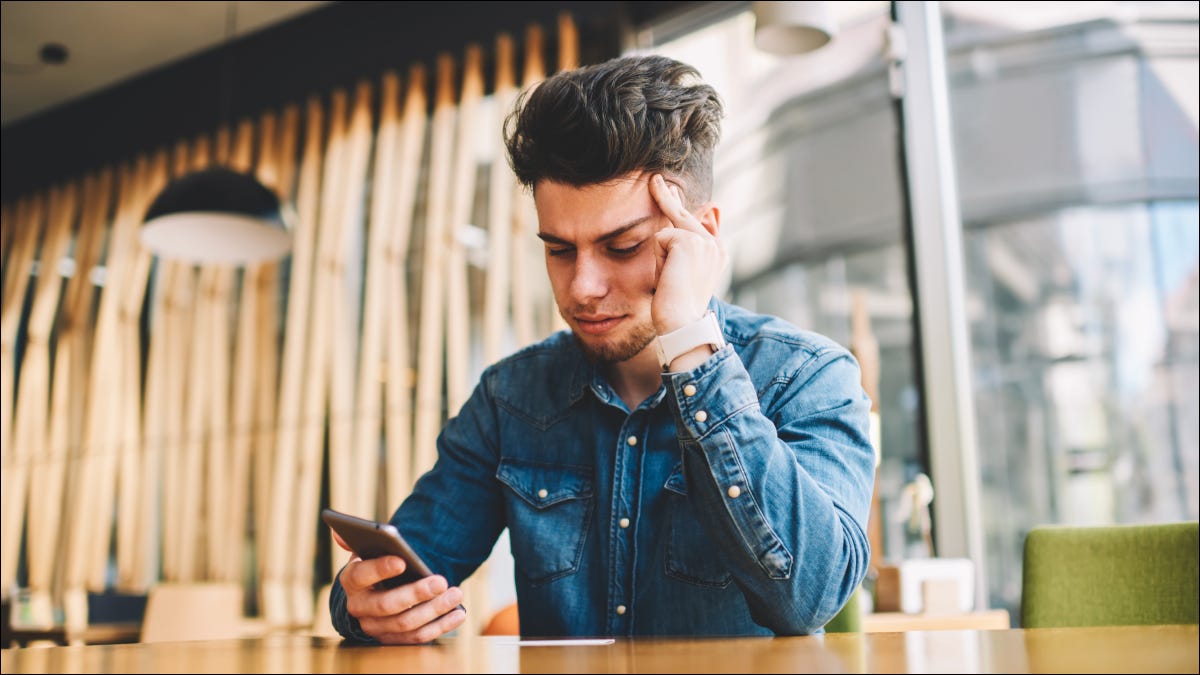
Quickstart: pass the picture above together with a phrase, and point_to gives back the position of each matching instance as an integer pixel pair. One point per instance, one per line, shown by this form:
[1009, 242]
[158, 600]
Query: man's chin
[615, 352]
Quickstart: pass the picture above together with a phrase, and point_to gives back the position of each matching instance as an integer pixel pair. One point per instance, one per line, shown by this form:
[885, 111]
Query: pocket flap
[543, 485]
[675, 482]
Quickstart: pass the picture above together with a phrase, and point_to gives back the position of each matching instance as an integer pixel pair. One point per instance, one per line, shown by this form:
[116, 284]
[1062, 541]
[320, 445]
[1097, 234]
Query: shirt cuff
[346, 624]
[705, 397]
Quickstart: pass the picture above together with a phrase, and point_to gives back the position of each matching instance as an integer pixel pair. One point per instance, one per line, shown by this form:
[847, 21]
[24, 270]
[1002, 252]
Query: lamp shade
[216, 216]
[792, 27]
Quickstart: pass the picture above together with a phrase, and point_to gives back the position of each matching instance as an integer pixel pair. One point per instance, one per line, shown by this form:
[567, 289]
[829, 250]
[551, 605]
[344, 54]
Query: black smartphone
[370, 539]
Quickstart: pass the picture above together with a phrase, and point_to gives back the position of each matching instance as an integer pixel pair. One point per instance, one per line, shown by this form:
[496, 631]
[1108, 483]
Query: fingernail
[658, 179]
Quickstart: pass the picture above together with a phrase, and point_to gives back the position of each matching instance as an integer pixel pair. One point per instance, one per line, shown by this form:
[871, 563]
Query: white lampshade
[216, 216]
[792, 27]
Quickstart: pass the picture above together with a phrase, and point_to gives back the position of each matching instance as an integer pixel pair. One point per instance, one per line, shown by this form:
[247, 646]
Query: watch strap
[704, 331]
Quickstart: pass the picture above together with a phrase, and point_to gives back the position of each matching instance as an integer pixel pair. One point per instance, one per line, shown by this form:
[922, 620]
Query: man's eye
[556, 252]
[625, 251]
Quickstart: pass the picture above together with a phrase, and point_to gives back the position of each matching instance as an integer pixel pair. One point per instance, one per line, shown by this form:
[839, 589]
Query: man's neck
[636, 379]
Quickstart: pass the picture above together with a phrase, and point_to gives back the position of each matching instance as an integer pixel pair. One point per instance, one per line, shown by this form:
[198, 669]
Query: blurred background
[1072, 134]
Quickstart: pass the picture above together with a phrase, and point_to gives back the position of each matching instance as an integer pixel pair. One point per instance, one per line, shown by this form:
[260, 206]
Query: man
[671, 465]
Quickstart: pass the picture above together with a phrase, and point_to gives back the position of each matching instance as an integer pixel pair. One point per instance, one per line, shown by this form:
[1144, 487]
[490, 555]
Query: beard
[639, 337]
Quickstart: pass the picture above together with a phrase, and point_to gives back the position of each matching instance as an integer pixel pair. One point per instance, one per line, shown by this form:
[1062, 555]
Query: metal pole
[937, 259]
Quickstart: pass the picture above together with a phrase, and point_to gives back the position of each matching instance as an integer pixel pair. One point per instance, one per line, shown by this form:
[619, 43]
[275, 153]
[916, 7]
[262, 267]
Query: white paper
[564, 643]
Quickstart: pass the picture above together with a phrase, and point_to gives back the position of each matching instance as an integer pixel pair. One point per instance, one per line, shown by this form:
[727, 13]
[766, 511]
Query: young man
[672, 465]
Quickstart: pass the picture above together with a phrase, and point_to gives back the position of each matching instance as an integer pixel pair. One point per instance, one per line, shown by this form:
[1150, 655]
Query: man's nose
[590, 281]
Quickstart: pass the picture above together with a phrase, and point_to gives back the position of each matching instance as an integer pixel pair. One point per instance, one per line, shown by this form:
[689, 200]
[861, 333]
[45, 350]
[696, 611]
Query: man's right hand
[415, 613]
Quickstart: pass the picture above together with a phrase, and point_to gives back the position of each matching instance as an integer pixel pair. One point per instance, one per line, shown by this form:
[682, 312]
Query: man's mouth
[597, 324]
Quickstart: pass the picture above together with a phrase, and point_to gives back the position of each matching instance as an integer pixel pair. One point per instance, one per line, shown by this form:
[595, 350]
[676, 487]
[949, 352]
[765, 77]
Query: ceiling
[109, 42]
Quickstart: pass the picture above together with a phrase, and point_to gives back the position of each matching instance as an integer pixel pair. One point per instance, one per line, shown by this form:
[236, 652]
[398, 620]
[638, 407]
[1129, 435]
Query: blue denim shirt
[733, 501]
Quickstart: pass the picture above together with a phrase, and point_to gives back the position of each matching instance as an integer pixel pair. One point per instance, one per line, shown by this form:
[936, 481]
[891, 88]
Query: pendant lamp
[793, 27]
[217, 215]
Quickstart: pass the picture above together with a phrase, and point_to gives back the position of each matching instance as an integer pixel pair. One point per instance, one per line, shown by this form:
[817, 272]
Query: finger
[429, 632]
[670, 202]
[417, 616]
[366, 573]
[400, 599]
[341, 542]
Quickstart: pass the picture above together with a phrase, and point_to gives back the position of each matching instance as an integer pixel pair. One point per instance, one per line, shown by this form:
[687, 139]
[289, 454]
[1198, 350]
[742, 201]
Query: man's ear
[709, 216]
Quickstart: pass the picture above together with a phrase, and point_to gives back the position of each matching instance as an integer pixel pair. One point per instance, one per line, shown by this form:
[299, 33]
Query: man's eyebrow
[607, 236]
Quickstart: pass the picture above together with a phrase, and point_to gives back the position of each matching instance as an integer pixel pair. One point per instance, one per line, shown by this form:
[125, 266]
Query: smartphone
[370, 539]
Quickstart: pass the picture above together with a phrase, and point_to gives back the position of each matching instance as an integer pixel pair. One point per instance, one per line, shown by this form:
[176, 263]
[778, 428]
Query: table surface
[1129, 649]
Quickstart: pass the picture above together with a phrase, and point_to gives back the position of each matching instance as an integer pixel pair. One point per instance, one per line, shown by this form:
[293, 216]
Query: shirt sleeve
[455, 512]
[781, 480]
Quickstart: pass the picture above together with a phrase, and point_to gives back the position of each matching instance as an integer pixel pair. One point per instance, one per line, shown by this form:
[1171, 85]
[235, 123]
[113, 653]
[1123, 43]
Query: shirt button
[624, 523]
[734, 491]
[701, 416]
[632, 440]
[620, 609]
[542, 493]
[689, 390]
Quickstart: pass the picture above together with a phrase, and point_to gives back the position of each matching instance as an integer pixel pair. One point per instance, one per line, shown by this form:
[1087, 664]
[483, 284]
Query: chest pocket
[691, 554]
[549, 509]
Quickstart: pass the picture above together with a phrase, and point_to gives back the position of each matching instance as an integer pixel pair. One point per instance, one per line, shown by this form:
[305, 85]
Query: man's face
[600, 258]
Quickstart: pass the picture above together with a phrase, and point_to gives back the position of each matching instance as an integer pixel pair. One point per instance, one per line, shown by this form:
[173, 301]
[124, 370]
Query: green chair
[849, 618]
[1111, 576]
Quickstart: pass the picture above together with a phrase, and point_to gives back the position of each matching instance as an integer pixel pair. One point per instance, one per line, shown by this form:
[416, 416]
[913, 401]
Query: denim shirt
[733, 501]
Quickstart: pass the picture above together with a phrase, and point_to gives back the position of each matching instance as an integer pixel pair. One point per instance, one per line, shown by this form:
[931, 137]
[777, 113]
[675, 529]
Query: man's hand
[689, 261]
[411, 614]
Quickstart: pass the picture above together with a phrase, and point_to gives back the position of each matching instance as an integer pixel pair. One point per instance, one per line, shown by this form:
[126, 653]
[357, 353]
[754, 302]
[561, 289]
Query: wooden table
[1145, 649]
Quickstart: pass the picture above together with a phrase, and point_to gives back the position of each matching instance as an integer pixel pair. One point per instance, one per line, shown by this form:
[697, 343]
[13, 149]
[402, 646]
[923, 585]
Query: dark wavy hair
[587, 126]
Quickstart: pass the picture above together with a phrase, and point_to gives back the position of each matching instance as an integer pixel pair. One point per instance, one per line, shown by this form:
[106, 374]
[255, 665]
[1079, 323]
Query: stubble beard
[641, 335]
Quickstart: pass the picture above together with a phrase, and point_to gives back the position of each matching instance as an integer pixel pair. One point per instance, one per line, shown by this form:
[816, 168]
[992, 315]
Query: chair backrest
[849, 619]
[1111, 576]
[193, 611]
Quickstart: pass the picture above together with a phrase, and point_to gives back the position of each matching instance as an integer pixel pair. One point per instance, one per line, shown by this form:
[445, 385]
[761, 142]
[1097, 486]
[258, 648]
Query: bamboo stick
[29, 228]
[281, 177]
[234, 406]
[368, 400]
[292, 377]
[179, 315]
[430, 345]
[399, 355]
[501, 186]
[195, 413]
[313, 407]
[340, 321]
[458, 307]
[30, 430]
[123, 463]
[72, 404]
[46, 507]
[242, 409]
[158, 467]
[176, 309]
[139, 467]
[568, 42]
[524, 216]
[95, 470]
[196, 395]
[216, 427]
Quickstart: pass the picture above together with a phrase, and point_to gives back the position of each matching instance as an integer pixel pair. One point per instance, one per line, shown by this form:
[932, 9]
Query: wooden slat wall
[213, 455]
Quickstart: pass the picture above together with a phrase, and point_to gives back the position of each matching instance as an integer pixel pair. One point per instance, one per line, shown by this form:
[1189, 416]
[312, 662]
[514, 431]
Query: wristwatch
[704, 331]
